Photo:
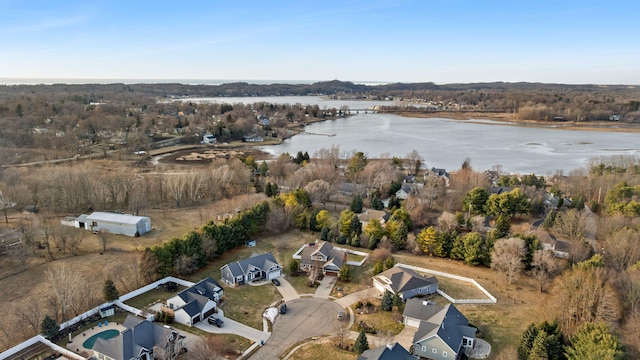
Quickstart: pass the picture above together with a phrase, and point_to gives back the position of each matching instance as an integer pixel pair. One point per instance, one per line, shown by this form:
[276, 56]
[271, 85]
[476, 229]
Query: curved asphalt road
[305, 318]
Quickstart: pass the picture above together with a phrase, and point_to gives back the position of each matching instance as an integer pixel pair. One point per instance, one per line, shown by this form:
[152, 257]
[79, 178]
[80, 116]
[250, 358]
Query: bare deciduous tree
[545, 266]
[208, 347]
[622, 249]
[319, 190]
[65, 286]
[447, 222]
[103, 238]
[585, 295]
[341, 328]
[21, 252]
[571, 225]
[507, 256]
[30, 313]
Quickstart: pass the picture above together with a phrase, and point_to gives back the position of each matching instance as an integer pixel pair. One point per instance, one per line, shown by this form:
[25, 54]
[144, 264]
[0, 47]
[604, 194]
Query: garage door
[274, 274]
[412, 322]
[209, 312]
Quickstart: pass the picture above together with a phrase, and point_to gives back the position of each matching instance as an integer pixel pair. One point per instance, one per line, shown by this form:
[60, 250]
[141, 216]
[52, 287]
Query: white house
[208, 139]
[196, 303]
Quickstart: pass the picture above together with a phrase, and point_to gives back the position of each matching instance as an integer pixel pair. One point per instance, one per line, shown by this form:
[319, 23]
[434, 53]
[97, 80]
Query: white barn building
[115, 223]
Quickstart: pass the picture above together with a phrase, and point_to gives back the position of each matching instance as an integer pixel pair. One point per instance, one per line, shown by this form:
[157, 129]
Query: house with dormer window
[443, 332]
[196, 303]
[321, 255]
[255, 268]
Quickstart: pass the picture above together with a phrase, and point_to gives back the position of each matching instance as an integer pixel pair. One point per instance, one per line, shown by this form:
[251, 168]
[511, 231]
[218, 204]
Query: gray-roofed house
[443, 332]
[196, 303]
[324, 255]
[406, 190]
[141, 340]
[392, 351]
[255, 268]
[405, 282]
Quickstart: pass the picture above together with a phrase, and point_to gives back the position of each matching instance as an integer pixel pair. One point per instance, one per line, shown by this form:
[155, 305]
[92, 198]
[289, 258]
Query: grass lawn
[458, 289]
[354, 257]
[360, 279]
[151, 297]
[247, 303]
[301, 284]
[322, 351]
[386, 321]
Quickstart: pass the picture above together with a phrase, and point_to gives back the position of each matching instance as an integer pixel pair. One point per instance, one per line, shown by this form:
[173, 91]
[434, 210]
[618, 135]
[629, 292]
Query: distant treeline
[531, 101]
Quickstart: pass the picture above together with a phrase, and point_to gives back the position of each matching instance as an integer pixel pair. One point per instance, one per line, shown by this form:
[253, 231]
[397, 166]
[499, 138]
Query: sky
[441, 41]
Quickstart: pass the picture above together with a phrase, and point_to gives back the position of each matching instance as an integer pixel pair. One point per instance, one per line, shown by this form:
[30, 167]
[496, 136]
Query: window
[444, 354]
[424, 348]
[434, 350]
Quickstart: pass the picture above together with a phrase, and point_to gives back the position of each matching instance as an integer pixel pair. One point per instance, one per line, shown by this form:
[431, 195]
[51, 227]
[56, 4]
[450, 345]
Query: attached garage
[414, 323]
[274, 272]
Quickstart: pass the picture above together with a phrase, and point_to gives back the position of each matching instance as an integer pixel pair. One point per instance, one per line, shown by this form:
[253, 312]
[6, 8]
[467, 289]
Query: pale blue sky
[444, 41]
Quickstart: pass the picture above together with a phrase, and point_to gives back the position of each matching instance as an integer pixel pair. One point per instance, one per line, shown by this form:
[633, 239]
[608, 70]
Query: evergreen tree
[389, 262]
[294, 266]
[356, 204]
[397, 300]
[361, 343]
[502, 226]
[427, 239]
[376, 203]
[540, 346]
[313, 221]
[394, 202]
[342, 239]
[324, 233]
[345, 273]
[109, 291]
[594, 341]
[526, 341]
[355, 227]
[378, 267]
[443, 244]
[49, 327]
[387, 301]
[355, 240]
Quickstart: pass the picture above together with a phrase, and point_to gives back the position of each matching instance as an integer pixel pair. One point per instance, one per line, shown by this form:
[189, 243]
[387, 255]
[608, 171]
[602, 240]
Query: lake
[445, 143]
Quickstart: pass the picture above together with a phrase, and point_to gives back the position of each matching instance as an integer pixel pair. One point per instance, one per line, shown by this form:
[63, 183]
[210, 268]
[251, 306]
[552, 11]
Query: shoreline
[506, 119]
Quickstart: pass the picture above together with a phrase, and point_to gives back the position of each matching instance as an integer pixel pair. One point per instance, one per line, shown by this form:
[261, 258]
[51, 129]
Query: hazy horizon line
[9, 81]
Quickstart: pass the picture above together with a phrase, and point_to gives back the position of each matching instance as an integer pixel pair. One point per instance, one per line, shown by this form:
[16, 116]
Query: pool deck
[76, 344]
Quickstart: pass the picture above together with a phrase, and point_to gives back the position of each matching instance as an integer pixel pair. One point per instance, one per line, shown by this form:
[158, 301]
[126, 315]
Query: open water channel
[445, 143]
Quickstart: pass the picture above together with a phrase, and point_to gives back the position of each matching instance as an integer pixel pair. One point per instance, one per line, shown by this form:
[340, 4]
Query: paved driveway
[233, 327]
[305, 318]
[286, 290]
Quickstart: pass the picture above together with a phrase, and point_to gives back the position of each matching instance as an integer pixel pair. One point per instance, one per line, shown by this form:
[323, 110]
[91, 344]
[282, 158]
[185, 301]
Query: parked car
[283, 308]
[341, 315]
[215, 321]
[275, 282]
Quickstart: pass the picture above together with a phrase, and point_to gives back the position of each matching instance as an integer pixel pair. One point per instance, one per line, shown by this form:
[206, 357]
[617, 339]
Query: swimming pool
[107, 334]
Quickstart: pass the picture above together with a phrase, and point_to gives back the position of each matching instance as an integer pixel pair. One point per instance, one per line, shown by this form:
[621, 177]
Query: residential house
[209, 139]
[405, 282]
[443, 332]
[321, 255]
[392, 351]
[259, 267]
[441, 174]
[371, 214]
[406, 190]
[351, 189]
[196, 303]
[141, 340]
